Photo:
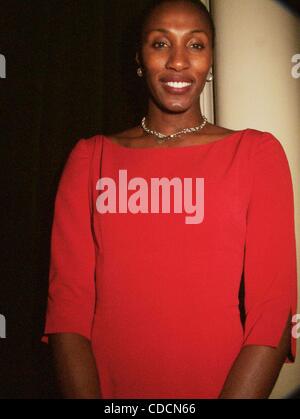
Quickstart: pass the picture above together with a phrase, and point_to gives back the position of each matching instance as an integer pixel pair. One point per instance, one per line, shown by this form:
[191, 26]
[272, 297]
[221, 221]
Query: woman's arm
[72, 280]
[270, 274]
[256, 370]
[75, 366]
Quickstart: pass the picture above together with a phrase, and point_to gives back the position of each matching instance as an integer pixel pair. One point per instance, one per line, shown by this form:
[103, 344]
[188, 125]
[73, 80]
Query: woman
[143, 304]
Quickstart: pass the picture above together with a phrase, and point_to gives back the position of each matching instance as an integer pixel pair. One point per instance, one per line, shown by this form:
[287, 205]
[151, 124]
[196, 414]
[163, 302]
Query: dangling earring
[140, 72]
[210, 78]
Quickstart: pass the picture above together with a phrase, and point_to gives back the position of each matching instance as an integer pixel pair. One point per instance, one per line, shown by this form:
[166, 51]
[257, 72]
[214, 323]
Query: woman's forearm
[75, 366]
[256, 370]
[253, 374]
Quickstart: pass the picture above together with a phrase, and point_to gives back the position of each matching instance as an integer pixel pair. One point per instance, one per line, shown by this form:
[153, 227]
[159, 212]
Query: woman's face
[177, 55]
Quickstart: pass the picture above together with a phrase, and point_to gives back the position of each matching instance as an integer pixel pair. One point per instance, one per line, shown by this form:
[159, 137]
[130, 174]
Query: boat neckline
[187, 147]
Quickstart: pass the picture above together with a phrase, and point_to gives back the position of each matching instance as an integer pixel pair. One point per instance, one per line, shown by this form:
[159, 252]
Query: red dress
[156, 295]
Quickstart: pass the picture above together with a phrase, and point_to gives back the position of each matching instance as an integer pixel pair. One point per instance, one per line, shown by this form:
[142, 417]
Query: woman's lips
[177, 88]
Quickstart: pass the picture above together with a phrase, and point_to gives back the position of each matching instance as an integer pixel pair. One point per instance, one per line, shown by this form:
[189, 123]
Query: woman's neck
[168, 123]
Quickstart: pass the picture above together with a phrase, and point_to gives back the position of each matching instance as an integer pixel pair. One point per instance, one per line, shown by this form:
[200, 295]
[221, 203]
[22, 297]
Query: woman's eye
[197, 46]
[159, 44]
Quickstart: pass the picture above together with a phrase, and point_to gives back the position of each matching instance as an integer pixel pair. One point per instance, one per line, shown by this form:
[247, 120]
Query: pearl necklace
[161, 138]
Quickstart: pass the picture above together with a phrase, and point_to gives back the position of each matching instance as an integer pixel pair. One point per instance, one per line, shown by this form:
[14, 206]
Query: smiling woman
[177, 54]
[147, 303]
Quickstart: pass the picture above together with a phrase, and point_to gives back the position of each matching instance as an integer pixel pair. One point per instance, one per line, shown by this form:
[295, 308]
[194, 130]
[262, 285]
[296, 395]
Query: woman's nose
[178, 60]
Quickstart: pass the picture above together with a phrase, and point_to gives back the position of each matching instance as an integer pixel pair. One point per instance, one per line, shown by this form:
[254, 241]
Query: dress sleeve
[71, 296]
[270, 271]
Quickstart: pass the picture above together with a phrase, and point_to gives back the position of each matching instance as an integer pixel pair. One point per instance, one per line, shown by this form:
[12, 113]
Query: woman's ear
[137, 59]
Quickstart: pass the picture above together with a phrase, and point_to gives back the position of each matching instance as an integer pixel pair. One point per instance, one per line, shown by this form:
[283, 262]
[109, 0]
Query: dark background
[71, 74]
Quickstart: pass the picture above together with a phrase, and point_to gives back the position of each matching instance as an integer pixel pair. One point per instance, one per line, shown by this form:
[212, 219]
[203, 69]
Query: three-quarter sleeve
[270, 271]
[71, 295]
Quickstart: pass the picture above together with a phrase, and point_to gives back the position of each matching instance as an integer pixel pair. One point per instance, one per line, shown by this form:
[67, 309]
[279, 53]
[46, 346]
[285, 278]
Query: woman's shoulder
[120, 138]
[127, 137]
[248, 133]
[254, 142]
[129, 133]
[254, 137]
[263, 140]
[216, 130]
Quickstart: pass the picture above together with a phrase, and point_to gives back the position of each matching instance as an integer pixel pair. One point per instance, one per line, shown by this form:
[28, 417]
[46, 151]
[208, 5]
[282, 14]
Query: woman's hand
[75, 366]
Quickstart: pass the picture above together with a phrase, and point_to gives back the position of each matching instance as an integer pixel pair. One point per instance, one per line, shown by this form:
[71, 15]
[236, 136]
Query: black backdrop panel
[70, 74]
